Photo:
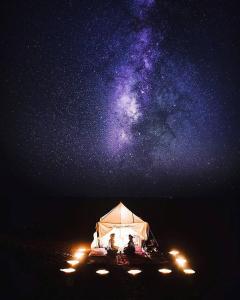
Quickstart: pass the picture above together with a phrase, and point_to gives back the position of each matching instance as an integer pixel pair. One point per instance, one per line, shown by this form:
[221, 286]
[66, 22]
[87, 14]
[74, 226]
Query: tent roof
[120, 214]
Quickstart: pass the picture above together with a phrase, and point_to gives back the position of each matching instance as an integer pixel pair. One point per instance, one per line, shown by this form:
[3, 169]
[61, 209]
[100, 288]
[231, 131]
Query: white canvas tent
[121, 221]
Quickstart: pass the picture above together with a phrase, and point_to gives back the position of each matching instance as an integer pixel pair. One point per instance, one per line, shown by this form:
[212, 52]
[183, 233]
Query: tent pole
[153, 236]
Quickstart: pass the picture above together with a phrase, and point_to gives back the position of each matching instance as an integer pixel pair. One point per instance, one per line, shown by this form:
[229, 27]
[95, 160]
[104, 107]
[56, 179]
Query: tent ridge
[121, 214]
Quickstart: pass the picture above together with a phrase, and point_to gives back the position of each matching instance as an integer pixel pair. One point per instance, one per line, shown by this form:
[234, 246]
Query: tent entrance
[121, 237]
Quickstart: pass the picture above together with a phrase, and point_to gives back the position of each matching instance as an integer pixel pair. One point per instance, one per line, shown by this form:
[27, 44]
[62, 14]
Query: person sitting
[112, 248]
[130, 249]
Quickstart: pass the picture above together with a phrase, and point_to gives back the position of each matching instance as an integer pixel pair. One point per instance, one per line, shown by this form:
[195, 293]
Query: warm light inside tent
[68, 270]
[174, 252]
[165, 271]
[189, 271]
[102, 272]
[73, 262]
[121, 237]
[134, 272]
[181, 261]
[119, 242]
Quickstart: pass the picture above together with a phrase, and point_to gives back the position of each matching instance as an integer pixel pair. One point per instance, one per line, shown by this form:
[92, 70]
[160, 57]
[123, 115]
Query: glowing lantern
[82, 250]
[181, 261]
[102, 272]
[79, 255]
[189, 271]
[72, 262]
[68, 270]
[165, 271]
[134, 272]
[174, 252]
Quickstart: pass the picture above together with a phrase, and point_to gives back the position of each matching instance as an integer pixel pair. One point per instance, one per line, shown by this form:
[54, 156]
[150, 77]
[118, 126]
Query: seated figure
[130, 249]
[112, 248]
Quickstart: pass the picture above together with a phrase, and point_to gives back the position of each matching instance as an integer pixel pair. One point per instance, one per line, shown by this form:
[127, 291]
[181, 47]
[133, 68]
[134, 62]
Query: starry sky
[131, 97]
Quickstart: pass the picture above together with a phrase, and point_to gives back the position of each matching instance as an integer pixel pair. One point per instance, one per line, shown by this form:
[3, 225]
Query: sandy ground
[31, 271]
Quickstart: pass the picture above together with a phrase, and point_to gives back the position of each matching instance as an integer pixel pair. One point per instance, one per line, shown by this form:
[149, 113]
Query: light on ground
[181, 261]
[102, 272]
[165, 271]
[189, 271]
[68, 270]
[134, 272]
[73, 262]
[174, 252]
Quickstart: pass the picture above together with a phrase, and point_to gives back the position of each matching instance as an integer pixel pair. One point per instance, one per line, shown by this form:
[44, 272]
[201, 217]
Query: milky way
[156, 109]
[112, 94]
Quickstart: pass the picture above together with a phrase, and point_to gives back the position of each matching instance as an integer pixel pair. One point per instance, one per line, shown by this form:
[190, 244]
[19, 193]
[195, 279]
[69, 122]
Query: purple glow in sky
[156, 107]
[113, 90]
[132, 84]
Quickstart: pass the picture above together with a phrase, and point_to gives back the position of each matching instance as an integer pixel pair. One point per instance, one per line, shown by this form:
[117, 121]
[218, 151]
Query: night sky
[134, 101]
[120, 98]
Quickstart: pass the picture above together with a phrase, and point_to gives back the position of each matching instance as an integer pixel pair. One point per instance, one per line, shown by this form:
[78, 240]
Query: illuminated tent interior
[121, 221]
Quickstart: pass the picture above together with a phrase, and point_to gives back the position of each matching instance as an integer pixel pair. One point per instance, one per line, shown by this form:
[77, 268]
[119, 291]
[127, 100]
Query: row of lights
[79, 254]
[181, 261]
[137, 271]
[131, 272]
